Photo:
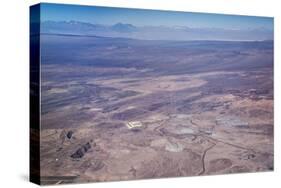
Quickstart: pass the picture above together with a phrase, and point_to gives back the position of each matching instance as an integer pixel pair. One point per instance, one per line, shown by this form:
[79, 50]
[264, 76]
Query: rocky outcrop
[80, 152]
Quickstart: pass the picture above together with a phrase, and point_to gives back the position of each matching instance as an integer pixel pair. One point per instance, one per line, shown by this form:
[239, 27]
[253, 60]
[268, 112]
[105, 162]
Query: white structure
[134, 124]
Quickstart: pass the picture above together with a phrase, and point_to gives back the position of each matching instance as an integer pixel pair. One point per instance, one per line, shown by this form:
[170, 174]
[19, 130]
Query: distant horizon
[149, 17]
[170, 26]
[152, 24]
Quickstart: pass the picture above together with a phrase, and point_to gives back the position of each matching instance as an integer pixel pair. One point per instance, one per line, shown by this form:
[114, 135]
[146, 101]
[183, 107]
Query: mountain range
[126, 30]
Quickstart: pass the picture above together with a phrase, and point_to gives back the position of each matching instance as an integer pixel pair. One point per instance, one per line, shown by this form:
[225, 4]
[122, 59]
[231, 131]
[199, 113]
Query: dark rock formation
[80, 152]
[69, 134]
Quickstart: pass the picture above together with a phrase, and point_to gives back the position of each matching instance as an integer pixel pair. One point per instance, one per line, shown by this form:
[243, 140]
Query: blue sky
[139, 17]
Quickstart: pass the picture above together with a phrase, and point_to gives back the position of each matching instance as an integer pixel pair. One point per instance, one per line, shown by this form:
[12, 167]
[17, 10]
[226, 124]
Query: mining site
[125, 109]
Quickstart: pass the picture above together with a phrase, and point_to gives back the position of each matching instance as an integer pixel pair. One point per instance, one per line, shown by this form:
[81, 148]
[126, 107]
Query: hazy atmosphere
[152, 25]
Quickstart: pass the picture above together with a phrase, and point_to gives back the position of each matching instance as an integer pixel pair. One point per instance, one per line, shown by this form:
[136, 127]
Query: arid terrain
[123, 109]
